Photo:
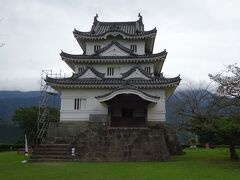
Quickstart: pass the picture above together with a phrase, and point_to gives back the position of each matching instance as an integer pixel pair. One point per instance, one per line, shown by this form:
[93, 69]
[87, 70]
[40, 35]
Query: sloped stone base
[96, 142]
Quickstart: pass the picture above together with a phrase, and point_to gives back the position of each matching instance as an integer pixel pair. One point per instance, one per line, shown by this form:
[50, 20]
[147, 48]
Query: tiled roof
[113, 81]
[131, 28]
[64, 56]
[106, 30]
[114, 42]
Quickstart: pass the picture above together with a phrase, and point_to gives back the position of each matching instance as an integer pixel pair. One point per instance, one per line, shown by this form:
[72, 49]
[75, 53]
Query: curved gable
[128, 90]
[136, 73]
[114, 51]
[88, 75]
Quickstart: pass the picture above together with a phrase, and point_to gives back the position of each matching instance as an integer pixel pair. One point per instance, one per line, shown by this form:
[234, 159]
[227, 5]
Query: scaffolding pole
[43, 111]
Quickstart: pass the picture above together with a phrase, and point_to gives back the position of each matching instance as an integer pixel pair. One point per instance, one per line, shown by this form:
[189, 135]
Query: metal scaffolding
[43, 113]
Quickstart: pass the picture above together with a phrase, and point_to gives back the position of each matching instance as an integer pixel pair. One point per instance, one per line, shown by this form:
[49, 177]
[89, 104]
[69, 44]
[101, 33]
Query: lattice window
[147, 69]
[133, 48]
[110, 71]
[80, 69]
[79, 104]
[96, 48]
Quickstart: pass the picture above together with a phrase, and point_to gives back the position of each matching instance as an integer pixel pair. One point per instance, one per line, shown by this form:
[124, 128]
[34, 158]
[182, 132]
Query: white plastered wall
[156, 111]
[92, 106]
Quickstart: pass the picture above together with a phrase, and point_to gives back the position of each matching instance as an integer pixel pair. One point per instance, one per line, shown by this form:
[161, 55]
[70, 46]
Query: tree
[194, 108]
[192, 99]
[209, 116]
[228, 83]
[229, 131]
[229, 86]
[27, 118]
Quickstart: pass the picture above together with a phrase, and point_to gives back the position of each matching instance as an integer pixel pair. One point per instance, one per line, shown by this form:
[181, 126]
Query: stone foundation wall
[94, 141]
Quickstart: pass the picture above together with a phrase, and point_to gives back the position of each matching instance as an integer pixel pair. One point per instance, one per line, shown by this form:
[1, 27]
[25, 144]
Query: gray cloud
[201, 36]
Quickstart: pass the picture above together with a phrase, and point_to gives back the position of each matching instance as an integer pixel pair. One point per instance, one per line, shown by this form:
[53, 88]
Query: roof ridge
[118, 22]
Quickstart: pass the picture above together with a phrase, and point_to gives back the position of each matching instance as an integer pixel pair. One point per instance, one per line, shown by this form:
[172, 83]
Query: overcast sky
[201, 36]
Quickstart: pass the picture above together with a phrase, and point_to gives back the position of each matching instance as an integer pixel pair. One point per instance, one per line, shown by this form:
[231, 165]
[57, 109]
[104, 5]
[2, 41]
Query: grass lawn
[197, 164]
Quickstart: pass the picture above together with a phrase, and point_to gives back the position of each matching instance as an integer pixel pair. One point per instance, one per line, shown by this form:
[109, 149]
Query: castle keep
[113, 105]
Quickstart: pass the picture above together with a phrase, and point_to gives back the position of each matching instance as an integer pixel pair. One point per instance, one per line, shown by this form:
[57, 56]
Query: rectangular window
[79, 104]
[110, 71]
[133, 48]
[80, 69]
[147, 69]
[76, 104]
[96, 48]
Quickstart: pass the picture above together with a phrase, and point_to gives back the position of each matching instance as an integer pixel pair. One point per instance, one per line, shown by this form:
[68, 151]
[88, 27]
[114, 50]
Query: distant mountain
[12, 100]
[18, 94]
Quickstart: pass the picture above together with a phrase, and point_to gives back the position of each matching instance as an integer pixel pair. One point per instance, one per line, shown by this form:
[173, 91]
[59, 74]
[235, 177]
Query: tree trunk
[233, 153]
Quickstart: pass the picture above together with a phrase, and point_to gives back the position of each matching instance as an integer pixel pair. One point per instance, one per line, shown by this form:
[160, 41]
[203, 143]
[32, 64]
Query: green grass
[197, 164]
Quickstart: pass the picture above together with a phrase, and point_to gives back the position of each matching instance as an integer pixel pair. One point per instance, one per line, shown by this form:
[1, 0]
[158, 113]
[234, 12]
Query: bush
[10, 147]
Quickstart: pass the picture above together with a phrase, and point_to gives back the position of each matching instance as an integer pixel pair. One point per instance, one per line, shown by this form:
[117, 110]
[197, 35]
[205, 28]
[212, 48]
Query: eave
[93, 58]
[158, 59]
[90, 36]
[82, 37]
[95, 86]
[112, 83]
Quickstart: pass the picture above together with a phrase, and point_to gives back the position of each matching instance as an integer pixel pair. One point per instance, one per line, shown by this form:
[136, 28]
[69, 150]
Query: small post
[73, 153]
[25, 150]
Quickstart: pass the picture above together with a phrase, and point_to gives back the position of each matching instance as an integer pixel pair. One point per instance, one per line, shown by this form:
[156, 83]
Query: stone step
[48, 142]
[51, 152]
[50, 160]
[53, 149]
[54, 146]
[123, 125]
[57, 141]
[34, 157]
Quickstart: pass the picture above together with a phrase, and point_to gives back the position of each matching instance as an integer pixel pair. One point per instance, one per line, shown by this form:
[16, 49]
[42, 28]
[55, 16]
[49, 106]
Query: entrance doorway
[127, 110]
